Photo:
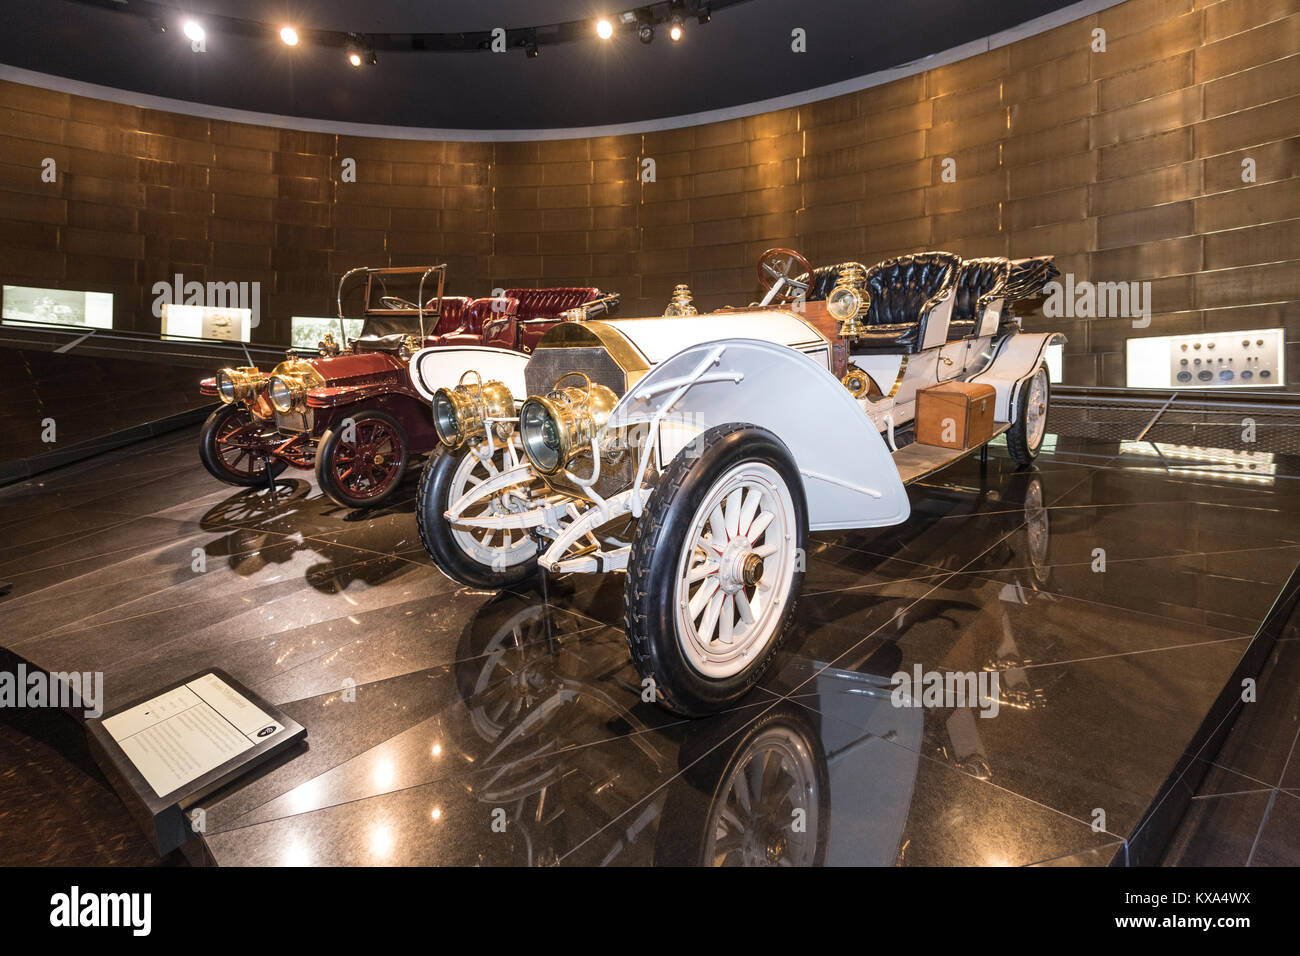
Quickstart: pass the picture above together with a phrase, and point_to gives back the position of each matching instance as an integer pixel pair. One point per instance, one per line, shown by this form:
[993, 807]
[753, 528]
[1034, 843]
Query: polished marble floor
[1112, 591]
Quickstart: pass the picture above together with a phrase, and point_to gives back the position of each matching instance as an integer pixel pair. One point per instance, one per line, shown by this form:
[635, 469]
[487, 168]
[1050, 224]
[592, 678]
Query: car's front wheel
[361, 463]
[232, 450]
[474, 556]
[716, 568]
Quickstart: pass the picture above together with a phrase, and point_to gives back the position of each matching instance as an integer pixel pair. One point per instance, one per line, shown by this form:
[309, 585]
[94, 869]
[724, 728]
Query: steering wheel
[397, 302]
[784, 274]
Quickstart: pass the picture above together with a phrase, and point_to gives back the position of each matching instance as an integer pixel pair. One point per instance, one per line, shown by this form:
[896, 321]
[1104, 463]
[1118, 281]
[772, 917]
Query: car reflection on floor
[754, 786]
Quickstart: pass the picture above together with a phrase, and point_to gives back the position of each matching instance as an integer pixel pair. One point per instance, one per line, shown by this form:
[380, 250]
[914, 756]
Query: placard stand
[168, 750]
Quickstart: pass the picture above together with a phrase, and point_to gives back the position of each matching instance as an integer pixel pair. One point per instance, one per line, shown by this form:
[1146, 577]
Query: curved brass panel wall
[1125, 163]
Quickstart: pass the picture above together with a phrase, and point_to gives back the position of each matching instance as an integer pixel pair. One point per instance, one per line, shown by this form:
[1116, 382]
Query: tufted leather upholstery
[549, 303]
[1029, 276]
[978, 284]
[904, 292]
[495, 321]
[824, 280]
[453, 314]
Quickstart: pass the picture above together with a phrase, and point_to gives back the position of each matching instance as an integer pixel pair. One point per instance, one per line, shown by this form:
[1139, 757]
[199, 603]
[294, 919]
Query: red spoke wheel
[232, 449]
[366, 469]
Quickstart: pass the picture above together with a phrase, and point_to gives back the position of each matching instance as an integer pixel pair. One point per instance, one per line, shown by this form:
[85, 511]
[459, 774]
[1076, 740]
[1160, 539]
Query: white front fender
[441, 366]
[849, 479]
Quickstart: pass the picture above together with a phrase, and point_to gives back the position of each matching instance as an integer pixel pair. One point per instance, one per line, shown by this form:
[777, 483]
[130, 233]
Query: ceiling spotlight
[289, 35]
[194, 30]
[645, 32]
[360, 50]
[676, 29]
[530, 50]
[702, 15]
[604, 29]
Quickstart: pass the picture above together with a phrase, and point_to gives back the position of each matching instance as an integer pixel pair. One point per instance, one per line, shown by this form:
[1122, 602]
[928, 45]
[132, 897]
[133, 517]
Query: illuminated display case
[207, 322]
[1253, 358]
[26, 305]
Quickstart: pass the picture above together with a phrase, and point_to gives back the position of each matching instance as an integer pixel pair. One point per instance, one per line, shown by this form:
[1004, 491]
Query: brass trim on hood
[597, 334]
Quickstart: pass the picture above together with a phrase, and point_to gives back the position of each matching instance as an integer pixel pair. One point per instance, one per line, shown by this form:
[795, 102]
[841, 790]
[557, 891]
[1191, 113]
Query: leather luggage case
[955, 414]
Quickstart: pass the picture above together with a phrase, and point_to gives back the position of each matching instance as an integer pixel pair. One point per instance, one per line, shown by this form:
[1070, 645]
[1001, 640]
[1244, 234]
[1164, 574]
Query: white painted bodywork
[991, 317]
[660, 339]
[936, 327]
[849, 478]
[442, 366]
[1015, 360]
[766, 368]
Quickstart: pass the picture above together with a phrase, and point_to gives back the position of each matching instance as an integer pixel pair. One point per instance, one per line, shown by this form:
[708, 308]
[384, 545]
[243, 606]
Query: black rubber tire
[432, 499]
[650, 616]
[1017, 435]
[212, 459]
[327, 447]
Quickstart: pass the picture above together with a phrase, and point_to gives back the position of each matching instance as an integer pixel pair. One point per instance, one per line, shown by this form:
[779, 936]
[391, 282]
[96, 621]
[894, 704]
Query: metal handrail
[343, 331]
[1152, 398]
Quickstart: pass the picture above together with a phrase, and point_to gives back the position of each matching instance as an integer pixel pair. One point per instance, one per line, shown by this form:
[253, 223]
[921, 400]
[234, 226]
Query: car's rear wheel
[362, 465]
[477, 557]
[232, 450]
[1025, 437]
[715, 569]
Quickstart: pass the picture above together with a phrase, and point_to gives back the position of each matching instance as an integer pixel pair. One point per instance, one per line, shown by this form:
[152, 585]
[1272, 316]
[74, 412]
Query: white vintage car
[696, 452]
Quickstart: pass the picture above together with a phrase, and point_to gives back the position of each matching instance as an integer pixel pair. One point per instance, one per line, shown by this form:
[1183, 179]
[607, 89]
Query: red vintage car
[351, 412]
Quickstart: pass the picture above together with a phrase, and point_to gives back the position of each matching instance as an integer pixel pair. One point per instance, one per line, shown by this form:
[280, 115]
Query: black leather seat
[904, 294]
[824, 279]
[979, 282]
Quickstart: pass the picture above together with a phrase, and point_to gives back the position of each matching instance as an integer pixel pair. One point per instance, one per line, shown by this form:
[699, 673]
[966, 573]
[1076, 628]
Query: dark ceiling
[743, 55]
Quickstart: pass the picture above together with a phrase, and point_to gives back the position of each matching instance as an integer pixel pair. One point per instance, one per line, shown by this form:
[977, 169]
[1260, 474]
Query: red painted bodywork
[358, 381]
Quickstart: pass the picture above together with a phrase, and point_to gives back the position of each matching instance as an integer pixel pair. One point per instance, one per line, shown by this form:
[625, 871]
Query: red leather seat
[549, 303]
[453, 314]
[494, 320]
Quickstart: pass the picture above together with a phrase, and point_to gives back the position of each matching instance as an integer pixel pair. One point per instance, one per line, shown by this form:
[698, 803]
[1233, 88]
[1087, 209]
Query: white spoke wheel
[733, 582]
[473, 555]
[1025, 436]
[504, 547]
[716, 569]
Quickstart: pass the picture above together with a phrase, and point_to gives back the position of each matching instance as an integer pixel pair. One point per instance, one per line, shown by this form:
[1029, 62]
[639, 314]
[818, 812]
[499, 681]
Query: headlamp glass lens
[843, 304]
[541, 436]
[444, 419]
[281, 395]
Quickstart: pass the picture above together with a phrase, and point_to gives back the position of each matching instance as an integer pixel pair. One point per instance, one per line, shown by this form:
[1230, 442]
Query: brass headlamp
[461, 414]
[240, 384]
[849, 301]
[565, 423]
[289, 383]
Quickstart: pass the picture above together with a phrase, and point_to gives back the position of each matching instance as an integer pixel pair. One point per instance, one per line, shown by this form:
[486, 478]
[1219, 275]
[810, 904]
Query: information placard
[169, 750]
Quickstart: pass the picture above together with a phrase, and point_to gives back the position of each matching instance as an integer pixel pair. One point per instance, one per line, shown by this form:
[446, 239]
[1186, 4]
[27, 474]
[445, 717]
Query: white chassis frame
[841, 445]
